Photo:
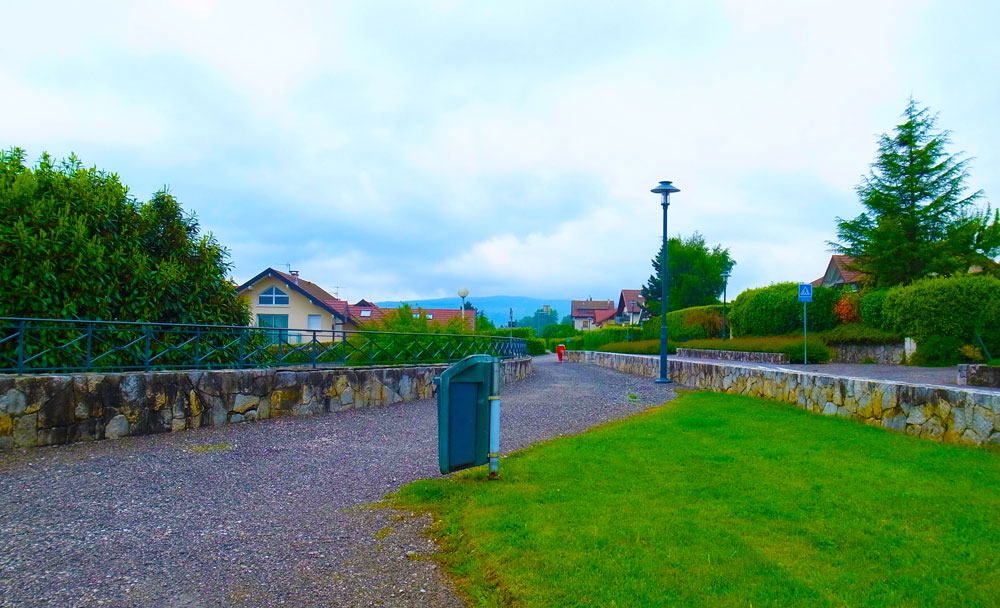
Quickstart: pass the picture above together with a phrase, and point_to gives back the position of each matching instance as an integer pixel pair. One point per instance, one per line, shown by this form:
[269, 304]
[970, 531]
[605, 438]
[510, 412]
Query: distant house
[284, 300]
[631, 307]
[592, 314]
[838, 275]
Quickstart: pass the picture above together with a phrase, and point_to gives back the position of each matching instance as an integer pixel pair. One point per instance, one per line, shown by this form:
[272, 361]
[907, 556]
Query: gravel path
[272, 515]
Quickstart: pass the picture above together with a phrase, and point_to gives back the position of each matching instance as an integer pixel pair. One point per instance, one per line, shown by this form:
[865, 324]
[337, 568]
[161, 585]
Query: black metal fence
[53, 346]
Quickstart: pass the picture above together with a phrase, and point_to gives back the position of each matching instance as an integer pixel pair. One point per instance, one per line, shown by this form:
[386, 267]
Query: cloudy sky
[399, 150]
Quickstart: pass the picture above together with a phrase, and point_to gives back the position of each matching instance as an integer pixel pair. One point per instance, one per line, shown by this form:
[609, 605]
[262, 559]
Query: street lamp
[725, 285]
[665, 188]
[462, 293]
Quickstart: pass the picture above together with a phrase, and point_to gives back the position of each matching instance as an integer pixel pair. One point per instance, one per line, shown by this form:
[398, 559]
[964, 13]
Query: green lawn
[721, 500]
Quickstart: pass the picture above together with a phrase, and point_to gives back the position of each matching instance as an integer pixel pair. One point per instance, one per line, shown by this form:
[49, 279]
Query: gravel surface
[265, 514]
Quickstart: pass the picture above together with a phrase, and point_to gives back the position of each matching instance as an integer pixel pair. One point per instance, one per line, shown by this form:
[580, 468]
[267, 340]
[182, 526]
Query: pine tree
[920, 218]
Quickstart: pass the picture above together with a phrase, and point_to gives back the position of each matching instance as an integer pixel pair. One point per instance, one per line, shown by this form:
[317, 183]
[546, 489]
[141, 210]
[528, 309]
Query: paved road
[274, 517]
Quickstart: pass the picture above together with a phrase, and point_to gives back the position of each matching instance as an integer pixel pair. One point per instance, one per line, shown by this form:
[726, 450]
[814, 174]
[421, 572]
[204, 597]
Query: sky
[400, 150]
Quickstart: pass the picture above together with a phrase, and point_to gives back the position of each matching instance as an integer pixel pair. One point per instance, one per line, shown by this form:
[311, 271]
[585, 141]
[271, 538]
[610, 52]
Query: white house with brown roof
[593, 314]
[631, 307]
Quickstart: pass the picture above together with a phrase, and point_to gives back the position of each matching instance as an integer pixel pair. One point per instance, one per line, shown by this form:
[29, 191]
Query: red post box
[559, 351]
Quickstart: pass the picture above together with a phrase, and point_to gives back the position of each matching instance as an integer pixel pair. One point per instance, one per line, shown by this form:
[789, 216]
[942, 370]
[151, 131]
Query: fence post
[243, 348]
[147, 341]
[197, 347]
[90, 339]
[20, 348]
[314, 349]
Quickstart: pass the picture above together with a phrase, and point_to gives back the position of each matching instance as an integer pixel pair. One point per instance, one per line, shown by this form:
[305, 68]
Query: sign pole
[805, 335]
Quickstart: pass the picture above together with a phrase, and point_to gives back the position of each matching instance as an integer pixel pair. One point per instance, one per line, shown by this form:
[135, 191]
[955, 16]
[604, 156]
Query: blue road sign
[805, 292]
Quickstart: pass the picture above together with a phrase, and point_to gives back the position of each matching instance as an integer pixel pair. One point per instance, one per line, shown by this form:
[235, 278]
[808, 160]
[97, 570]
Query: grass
[211, 447]
[722, 500]
[790, 345]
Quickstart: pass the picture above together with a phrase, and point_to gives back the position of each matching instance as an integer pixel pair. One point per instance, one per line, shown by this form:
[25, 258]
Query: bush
[937, 351]
[846, 309]
[858, 333]
[955, 307]
[559, 331]
[871, 308]
[687, 324]
[536, 346]
[526, 333]
[776, 310]
[596, 338]
[640, 347]
[790, 345]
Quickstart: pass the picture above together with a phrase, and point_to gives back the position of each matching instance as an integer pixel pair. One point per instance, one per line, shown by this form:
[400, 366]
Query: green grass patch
[722, 500]
[858, 333]
[211, 447]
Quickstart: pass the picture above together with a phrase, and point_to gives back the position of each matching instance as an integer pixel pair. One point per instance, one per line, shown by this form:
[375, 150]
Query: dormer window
[272, 296]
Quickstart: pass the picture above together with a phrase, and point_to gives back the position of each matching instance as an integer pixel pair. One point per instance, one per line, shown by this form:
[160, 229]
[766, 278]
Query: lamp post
[665, 188]
[725, 286]
[462, 293]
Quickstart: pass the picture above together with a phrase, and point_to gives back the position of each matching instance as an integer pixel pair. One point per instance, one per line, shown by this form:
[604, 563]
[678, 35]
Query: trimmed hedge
[789, 345]
[872, 304]
[858, 333]
[536, 346]
[596, 338]
[692, 323]
[640, 347]
[952, 306]
[776, 310]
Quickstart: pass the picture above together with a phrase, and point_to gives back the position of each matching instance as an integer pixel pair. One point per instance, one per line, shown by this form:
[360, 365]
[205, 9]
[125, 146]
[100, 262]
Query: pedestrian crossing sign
[805, 292]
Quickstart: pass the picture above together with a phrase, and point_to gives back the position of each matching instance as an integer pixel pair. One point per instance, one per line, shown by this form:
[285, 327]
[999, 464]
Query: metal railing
[54, 346]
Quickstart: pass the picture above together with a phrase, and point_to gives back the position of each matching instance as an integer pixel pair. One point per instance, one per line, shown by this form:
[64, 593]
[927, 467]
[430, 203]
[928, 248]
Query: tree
[483, 323]
[76, 245]
[919, 217]
[695, 274]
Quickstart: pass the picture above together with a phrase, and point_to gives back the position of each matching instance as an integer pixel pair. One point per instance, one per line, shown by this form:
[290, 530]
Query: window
[416, 315]
[277, 322]
[430, 315]
[313, 322]
[273, 296]
[366, 313]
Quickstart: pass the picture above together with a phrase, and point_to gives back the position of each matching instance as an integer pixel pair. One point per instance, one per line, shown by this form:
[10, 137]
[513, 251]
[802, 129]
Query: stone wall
[883, 354]
[49, 410]
[955, 415]
[733, 355]
[979, 375]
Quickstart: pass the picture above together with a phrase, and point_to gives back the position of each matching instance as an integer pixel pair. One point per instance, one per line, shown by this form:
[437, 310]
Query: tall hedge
[872, 309]
[776, 310]
[694, 323]
[76, 245]
[954, 306]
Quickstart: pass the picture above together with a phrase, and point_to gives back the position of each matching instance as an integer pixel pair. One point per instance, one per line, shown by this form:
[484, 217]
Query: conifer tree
[919, 219]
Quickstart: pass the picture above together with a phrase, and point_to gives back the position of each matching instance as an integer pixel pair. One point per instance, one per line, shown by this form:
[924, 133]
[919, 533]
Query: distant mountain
[496, 308]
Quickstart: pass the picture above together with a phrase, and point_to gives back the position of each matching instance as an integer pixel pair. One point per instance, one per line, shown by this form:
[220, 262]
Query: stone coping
[733, 355]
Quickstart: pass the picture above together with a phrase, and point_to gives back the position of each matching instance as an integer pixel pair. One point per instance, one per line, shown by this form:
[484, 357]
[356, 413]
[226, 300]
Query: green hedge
[858, 333]
[640, 347]
[872, 308]
[596, 338]
[955, 306]
[789, 345]
[776, 310]
[687, 324]
[536, 346]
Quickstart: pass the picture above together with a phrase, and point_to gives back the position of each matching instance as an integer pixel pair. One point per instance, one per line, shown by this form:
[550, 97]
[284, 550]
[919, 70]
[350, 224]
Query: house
[592, 314]
[838, 275]
[631, 307]
[286, 301]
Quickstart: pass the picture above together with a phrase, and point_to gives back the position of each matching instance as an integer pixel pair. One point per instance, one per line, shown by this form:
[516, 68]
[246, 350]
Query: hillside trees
[695, 274]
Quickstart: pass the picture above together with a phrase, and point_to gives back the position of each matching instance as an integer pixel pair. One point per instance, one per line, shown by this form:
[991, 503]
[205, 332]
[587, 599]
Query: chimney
[295, 275]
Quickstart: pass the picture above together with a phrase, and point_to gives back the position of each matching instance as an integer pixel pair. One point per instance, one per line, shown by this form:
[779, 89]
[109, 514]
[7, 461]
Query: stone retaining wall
[979, 375]
[955, 415]
[883, 354]
[48, 410]
[733, 355]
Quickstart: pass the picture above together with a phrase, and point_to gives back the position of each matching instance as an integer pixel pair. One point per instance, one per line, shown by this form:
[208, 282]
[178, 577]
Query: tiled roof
[630, 295]
[841, 262]
[587, 308]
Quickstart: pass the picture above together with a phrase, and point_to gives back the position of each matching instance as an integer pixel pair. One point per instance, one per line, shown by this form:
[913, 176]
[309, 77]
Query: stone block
[116, 427]
[13, 402]
[25, 431]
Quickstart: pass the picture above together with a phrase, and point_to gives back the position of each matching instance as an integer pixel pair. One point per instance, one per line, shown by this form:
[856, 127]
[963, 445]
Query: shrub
[870, 308]
[536, 346]
[687, 324]
[559, 331]
[858, 333]
[790, 345]
[846, 309]
[596, 338]
[938, 307]
[640, 347]
[937, 351]
[775, 310]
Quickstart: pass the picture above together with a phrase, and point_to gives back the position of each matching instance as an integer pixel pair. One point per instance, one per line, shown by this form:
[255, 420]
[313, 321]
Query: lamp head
[462, 292]
[665, 187]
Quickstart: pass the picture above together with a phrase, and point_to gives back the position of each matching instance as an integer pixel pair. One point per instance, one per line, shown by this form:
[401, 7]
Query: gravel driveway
[271, 514]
